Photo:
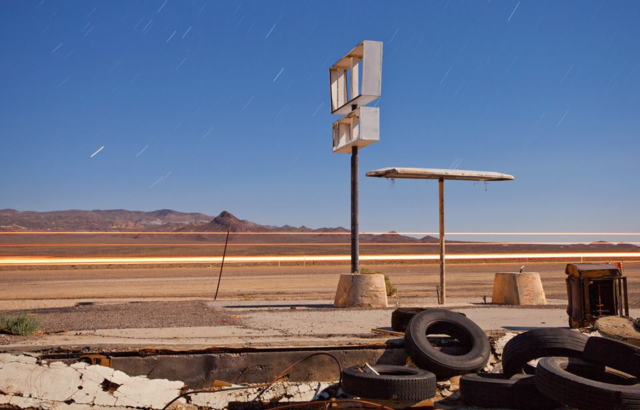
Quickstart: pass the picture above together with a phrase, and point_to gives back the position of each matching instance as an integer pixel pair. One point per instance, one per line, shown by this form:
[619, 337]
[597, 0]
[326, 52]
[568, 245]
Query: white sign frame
[356, 79]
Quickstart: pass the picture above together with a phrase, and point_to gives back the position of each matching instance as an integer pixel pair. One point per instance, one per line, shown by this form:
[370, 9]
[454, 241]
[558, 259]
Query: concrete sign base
[356, 290]
[520, 289]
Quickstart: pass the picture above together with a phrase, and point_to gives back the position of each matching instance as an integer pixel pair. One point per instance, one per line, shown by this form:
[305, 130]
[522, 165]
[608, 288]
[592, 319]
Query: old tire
[584, 385]
[539, 343]
[615, 354]
[405, 383]
[401, 317]
[497, 390]
[425, 356]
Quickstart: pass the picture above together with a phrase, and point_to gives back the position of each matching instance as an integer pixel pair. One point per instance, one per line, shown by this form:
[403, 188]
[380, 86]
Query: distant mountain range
[166, 220]
[98, 220]
[226, 220]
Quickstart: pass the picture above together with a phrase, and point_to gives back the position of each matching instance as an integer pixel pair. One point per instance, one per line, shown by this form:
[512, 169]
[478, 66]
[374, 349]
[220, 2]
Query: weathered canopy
[432, 173]
[440, 175]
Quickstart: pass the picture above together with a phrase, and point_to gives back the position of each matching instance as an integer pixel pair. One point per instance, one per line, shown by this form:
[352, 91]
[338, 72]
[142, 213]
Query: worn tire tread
[415, 387]
[613, 353]
[496, 390]
[540, 343]
[580, 392]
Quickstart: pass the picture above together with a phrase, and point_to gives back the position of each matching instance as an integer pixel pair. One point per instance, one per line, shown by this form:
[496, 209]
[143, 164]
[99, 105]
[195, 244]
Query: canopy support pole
[442, 292]
[355, 237]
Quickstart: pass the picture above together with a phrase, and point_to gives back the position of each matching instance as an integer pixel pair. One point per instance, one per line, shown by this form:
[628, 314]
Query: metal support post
[355, 229]
[443, 294]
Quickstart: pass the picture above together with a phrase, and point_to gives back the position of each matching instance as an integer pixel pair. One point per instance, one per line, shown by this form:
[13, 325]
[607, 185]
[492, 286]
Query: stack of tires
[588, 373]
[409, 384]
[575, 370]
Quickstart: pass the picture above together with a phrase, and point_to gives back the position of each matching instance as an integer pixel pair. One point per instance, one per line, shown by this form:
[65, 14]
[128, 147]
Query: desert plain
[66, 298]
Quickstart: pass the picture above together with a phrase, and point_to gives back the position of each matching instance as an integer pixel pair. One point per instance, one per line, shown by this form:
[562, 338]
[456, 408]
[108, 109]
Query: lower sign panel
[359, 128]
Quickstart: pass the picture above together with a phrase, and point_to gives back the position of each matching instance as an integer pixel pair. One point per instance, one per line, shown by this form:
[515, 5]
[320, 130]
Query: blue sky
[212, 105]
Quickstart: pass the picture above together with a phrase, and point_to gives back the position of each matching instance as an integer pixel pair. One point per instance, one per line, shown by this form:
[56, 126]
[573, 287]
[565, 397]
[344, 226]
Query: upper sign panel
[357, 78]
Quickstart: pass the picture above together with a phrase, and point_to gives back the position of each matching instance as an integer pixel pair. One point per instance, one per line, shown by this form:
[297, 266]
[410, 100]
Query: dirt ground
[159, 299]
[44, 288]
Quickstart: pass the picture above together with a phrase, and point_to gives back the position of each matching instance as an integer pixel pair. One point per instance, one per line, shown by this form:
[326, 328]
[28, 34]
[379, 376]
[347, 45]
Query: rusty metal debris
[595, 290]
[96, 359]
[387, 332]
[368, 369]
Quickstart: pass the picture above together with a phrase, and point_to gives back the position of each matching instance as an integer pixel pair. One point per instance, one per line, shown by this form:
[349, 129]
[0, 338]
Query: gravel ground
[130, 315]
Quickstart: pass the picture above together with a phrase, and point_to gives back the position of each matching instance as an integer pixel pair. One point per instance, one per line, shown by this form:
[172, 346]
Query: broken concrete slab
[24, 383]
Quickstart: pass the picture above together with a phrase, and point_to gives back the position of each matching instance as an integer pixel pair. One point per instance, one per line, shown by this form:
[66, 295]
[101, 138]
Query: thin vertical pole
[355, 229]
[443, 292]
[224, 254]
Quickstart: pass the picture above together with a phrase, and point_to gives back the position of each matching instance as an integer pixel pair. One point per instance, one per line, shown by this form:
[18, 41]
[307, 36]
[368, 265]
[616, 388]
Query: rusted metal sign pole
[355, 228]
[354, 81]
[443, 293]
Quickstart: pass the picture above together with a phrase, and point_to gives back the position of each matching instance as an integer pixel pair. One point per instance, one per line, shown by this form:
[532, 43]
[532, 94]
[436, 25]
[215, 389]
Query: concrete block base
[356, 290]
[520, 289]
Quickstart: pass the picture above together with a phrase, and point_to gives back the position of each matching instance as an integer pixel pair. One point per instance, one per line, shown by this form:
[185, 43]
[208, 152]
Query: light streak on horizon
[316, 233]
[71, 245]
[14, 261]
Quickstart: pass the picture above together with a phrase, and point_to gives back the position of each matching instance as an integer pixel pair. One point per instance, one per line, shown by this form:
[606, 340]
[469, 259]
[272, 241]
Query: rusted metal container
[595, 290]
